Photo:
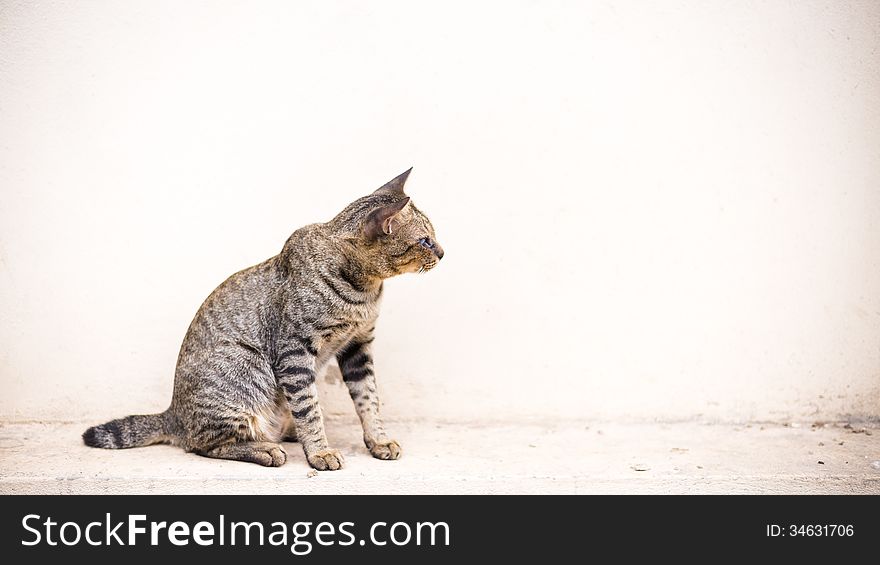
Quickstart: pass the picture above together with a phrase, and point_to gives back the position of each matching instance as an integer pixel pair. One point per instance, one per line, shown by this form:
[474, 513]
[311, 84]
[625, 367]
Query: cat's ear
[395, 185]
[383, 220]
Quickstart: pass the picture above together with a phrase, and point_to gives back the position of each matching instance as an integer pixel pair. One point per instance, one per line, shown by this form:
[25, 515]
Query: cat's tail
[131, 431]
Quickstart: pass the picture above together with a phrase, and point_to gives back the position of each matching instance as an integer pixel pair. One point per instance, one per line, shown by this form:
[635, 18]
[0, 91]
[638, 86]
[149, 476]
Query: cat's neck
[360, 280]
[341, 257]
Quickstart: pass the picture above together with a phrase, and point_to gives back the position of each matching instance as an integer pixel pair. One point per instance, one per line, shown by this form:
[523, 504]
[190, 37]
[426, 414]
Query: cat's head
[391, 236]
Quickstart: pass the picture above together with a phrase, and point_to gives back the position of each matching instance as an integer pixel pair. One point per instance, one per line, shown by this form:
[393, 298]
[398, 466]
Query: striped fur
[245, 377]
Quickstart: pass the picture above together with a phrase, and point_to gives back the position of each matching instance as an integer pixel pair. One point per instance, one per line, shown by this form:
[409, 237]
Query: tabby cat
[245, 377]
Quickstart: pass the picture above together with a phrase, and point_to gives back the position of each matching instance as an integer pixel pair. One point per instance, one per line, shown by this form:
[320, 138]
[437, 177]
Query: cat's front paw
[326, 460]
[387, 449]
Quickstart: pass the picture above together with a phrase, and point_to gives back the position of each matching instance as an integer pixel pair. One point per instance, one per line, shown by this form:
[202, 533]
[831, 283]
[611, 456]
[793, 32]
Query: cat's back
[247, 301]
[240, 309]
[304, 250]
[246, 289]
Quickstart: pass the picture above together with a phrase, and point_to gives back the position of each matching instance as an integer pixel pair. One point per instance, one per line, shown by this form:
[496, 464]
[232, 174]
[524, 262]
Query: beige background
[650, 210]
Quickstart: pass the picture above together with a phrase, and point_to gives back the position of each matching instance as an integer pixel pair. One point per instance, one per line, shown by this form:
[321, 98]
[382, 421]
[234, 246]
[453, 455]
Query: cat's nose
[438, 251]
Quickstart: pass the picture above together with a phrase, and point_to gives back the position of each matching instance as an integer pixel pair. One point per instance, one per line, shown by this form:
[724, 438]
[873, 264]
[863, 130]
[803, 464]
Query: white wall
[650, 210]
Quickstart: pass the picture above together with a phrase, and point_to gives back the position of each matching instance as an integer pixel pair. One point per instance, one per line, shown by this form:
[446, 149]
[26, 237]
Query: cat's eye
[426, 243]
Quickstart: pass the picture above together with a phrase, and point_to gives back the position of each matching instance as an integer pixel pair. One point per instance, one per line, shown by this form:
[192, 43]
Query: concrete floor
[536, 457]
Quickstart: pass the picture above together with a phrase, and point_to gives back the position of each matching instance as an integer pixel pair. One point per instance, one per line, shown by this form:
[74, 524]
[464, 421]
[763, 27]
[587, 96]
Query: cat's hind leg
[235, 414]
[287, 425]
[289, 433]
[251, 437]
[263, 453]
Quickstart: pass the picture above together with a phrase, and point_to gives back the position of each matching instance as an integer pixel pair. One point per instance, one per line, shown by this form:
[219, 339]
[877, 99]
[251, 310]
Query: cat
[245, 377]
